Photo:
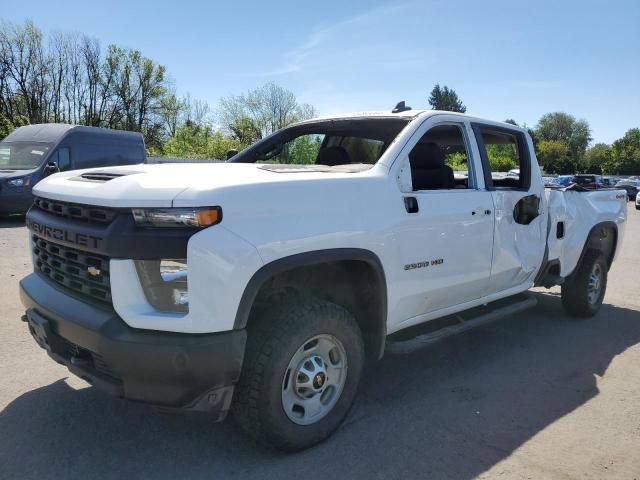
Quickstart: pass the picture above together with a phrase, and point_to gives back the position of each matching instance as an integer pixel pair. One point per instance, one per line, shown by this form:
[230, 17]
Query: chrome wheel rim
[594, 288]
[314, 379]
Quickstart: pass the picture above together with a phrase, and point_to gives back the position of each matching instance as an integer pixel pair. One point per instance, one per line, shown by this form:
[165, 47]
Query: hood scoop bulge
[101, 177]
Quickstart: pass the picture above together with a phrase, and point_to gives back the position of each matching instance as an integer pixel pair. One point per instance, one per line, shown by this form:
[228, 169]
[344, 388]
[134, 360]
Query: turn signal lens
[208, 217]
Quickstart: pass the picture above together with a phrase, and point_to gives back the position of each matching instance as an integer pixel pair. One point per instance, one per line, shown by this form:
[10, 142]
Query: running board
[404, 342]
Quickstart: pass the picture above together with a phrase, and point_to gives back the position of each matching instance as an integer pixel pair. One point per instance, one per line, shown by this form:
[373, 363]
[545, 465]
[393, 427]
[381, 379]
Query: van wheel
[582, 295]
[301, 371]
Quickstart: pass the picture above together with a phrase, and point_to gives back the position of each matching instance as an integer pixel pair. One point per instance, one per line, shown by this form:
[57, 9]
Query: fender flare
[315, 257]
[608, 224]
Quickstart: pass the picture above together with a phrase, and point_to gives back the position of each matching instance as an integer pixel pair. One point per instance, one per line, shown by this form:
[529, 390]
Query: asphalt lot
[538, 395]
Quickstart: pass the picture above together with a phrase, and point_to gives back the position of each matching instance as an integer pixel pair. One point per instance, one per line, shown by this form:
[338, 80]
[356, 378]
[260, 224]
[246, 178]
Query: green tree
[304, 149]
[575, 134]
[445, 98]
[625, 154]
[7, 126]
[554, 156]
[458, 161]
[245, 131]
[200, 141]
[502, 158]
[596, 157]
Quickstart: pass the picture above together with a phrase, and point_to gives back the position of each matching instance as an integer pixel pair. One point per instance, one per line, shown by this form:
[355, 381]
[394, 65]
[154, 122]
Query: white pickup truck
[263, 285]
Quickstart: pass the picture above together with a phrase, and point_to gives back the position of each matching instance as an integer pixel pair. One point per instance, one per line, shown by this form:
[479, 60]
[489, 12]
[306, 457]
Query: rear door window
[505, 157]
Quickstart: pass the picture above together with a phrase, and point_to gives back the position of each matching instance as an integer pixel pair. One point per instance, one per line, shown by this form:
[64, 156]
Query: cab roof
[410, 115]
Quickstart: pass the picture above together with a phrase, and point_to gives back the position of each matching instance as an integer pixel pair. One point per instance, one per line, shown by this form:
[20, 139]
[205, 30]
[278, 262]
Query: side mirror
[231, 153]
[51, 168]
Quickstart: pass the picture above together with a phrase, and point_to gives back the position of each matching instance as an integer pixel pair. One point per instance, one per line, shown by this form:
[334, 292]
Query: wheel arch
[599, 239]
[362, 289]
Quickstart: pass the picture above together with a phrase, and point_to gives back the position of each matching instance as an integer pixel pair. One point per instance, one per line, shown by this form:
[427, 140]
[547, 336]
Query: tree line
[72, 78]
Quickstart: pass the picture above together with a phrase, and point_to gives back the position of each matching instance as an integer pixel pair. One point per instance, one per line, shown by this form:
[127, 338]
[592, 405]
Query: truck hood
[161, 184]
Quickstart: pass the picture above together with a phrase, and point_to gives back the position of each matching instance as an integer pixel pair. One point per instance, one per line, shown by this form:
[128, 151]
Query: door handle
[411, 204]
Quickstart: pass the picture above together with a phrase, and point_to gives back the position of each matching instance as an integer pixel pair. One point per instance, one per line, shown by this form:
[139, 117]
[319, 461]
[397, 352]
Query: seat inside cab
[439, 161]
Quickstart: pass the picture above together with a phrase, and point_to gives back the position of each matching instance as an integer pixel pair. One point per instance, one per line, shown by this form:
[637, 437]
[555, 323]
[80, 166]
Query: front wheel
[300, 376]
[583, 294]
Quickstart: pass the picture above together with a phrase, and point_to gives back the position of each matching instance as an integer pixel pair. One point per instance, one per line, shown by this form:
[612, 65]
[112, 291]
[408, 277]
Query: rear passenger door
[445, 239]
[520, 226]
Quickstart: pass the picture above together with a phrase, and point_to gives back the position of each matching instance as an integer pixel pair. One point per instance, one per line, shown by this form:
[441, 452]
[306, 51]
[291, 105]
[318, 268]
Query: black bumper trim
[169, 370]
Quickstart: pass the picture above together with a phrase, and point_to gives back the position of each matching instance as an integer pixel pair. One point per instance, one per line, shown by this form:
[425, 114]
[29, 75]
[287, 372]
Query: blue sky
[504, 58]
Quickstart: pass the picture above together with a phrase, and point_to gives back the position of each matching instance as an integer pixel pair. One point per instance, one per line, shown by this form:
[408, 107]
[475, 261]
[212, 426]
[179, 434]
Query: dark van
[30, 153]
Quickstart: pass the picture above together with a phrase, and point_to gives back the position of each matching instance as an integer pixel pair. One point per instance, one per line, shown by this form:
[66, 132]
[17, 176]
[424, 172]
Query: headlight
[178, 217]
[20, 182]
[165, 283]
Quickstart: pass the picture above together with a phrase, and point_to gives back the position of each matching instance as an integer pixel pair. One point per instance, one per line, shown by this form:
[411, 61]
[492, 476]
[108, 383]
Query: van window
[88, 154]
[22, 155]
[62, 158]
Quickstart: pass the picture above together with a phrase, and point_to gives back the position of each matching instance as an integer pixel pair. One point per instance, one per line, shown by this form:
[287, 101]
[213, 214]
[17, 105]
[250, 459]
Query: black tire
[577, 298]
[273, 339]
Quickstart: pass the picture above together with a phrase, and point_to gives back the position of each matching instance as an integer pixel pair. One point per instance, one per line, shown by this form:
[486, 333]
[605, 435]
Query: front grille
[85, 213]
[82, 272]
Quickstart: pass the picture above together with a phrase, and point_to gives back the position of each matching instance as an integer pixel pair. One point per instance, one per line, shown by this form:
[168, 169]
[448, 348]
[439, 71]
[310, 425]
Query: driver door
[444, 242]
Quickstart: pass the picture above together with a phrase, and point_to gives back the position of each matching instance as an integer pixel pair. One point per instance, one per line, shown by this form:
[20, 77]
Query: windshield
[327, 143]
[22, 155]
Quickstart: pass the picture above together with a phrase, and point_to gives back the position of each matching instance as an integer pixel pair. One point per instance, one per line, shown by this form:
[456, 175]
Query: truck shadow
[451, 410]
[12, 221]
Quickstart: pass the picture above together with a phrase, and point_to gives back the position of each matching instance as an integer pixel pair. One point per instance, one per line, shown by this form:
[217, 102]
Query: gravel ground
[538, 395]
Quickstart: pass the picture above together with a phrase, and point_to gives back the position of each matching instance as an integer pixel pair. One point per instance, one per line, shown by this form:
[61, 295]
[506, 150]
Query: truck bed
[574, 214]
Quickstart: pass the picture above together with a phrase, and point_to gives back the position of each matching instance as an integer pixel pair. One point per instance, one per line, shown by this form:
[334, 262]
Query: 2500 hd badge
[437, 261]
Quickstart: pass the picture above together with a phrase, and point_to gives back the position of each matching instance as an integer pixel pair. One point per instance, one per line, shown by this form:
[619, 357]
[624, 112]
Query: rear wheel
[583, 294]
[300, 376]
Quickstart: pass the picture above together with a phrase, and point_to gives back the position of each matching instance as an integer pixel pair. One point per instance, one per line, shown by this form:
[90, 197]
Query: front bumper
[193, 372]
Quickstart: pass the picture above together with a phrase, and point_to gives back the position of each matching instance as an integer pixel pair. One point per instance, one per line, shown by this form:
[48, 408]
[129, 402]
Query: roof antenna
[400, 107]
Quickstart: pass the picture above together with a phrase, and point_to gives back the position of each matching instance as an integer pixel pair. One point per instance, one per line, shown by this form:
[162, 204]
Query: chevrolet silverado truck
[263, 285]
